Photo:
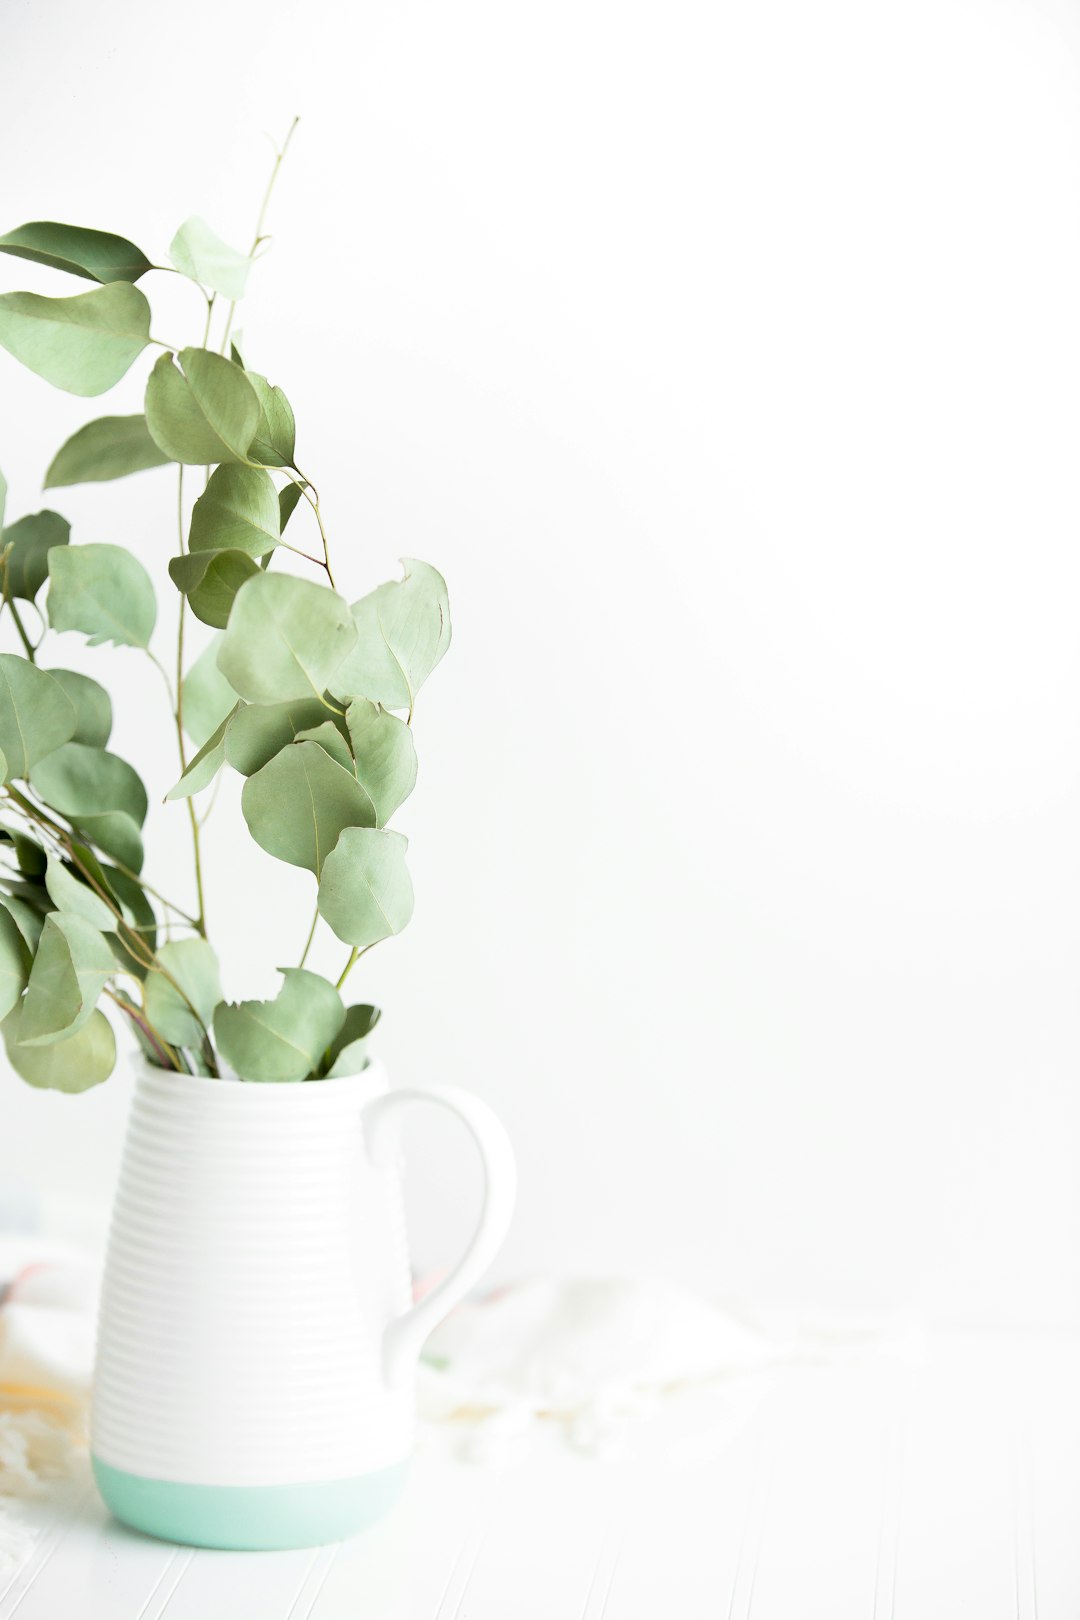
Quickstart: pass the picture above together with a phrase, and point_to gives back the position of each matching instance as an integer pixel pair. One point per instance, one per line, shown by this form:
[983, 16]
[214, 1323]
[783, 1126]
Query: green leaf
[95, 255]
[102, 591]
[205, 413]
[31, 540]
[14, 962]
[27, 920]
[403, 629]
[93, 707]
[208, 697]
[30, 856]
[111, 447]
[385, 756]
[289, 499]
[329, 737]
[83, 344]
[36, 714]
[281, 1039]
[274, 444]
[194, 966]
[75, 898]
[75, 1064]
[237, 510]
[348, 1051]
[365, 892]
[210, 581]
[260, 730]
[200, 254]
[81, 781]
[116, 834]
[204, 767]
[285, 639]
[69, 972]
[298, 804]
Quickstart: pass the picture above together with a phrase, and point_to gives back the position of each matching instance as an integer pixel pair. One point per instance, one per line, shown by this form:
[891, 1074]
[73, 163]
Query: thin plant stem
[279, 158]
[206, 329]
[176, 704]
[357, 953]
[164, 1050]
[31, 650]
[311, 936]
[311, 495]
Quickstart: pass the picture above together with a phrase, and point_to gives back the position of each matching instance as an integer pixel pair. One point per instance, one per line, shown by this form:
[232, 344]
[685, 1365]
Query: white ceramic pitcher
[257, 1343]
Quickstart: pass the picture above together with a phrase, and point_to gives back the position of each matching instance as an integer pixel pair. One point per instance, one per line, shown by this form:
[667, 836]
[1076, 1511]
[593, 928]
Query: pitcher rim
[147, 1073]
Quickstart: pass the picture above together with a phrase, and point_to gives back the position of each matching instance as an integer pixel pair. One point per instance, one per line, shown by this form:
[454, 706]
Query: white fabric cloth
[616, 1366]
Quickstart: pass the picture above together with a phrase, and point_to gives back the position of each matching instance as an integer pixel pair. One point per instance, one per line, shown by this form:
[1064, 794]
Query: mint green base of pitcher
[250, 1518]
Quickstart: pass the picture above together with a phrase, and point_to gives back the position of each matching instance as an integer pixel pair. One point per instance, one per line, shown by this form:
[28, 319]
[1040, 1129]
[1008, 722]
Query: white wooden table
[879, 1491]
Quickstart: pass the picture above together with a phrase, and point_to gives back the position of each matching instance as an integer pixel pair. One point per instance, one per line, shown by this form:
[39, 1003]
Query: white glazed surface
[241, 1338]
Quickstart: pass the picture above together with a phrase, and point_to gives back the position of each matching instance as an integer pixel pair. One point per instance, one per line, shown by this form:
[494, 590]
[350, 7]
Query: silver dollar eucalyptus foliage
[307, 695]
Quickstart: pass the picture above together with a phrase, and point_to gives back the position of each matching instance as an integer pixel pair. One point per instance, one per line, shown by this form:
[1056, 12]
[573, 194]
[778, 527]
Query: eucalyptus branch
[170, 1058]
[283, 643]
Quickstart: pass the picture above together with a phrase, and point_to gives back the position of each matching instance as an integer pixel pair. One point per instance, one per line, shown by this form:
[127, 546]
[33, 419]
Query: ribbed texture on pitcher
[234, 1347]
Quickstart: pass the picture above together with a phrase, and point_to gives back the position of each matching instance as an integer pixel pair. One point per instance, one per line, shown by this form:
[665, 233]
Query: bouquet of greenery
[308, 697]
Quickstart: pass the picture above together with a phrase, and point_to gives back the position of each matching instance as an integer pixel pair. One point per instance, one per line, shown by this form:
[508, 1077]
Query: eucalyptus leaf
[297, 806]
[74, 1064]
[289, 499]
[116, 834]
[104, 592]
[385, 756]
[204, 767]
[285, 639]
[199, 253]
[347, 1053]
[210, 581]
[27, 919]
[274, 444]
[111, 447]
[83, 344]
[283, 1039]
[79, 781]
[31, 540]
[238, 509]
[94, 255]
[207, 695]
[365, 892]
[193, 965]
[330, 738]
[202, 414]
[69, 972]
[30, 856]
[258, 731]
[36, 714]
[93, 706]
[14, 962]
[403, 630]
[75, 898]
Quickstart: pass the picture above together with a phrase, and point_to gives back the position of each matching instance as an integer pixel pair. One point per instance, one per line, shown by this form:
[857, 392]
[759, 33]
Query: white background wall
[726, 358]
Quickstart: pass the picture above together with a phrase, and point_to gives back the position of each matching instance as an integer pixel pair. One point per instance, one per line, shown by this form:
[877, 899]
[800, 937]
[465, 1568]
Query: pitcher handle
[382, 1121]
